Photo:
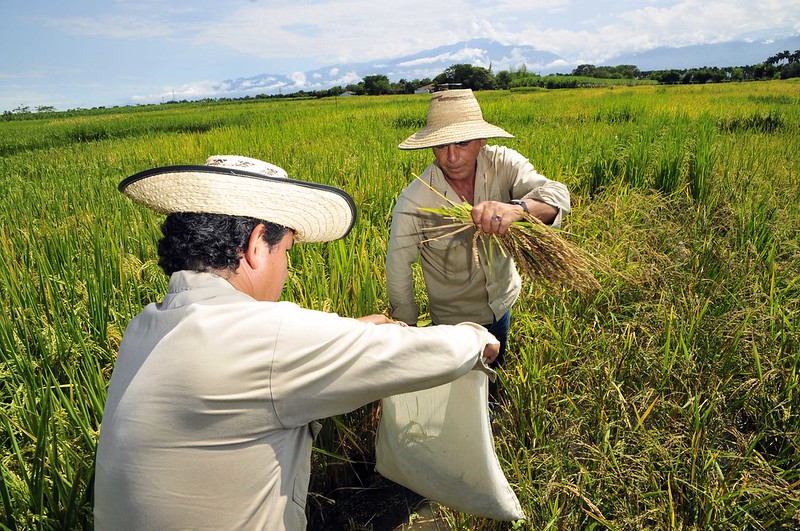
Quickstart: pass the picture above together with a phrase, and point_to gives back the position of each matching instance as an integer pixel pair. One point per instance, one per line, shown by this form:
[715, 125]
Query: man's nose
[452, 152]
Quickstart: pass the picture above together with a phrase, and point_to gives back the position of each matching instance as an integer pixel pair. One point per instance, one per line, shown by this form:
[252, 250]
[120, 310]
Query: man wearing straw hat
[212, 403]
[462, 283]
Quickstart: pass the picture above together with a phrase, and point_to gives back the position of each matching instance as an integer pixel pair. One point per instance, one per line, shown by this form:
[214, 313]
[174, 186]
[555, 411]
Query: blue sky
[87, 53]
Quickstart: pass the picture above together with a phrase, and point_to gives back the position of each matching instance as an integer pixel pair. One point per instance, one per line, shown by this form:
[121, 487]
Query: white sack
[438, 442]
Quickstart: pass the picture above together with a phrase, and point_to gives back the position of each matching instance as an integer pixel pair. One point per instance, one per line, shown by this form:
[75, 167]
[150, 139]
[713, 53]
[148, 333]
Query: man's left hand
[494, 217]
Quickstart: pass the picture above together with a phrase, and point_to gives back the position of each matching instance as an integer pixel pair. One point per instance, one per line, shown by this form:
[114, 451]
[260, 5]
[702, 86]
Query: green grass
[667, 400]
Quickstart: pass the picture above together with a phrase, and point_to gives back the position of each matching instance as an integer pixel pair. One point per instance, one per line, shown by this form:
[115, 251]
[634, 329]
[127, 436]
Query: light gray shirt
[210, 410]
[464, 281]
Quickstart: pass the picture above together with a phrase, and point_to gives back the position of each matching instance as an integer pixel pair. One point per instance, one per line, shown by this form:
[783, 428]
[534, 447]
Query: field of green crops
[668, 400]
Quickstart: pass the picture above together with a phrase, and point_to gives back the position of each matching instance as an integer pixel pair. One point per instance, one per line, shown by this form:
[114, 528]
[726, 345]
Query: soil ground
[381, 506]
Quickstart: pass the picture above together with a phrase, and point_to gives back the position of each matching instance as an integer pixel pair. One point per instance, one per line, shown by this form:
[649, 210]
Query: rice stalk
[538, 251]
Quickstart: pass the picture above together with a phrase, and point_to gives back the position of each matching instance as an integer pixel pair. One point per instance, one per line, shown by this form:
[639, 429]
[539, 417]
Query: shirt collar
[187, 280]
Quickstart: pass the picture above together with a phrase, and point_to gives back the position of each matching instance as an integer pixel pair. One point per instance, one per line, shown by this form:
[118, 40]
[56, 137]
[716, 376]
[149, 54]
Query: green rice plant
[768, 122]
[671, 157]
[637, 158]
[666, 400]
[604, 168]
[701, 159]
[755, 222]
[622, 113]
[538, 251]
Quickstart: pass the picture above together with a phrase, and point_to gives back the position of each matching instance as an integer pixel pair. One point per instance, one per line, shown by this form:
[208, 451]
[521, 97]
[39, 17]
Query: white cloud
[335, 31]
[465, 55]
[115, 45]
[353, 31]
[298, 78]
[346, 78]
[116, 27]
[671, 23]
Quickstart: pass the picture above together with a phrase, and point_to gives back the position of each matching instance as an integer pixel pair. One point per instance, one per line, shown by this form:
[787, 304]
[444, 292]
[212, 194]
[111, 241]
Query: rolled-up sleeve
[526, 183]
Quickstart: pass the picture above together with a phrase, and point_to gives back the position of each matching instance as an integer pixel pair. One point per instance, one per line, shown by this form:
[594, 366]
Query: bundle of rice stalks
[539, 251]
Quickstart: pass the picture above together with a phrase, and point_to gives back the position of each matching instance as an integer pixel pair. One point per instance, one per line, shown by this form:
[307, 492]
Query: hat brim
[316, 212]
[428, 137]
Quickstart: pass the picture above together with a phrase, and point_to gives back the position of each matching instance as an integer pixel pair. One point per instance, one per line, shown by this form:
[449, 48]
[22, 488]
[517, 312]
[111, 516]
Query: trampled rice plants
[667, 399]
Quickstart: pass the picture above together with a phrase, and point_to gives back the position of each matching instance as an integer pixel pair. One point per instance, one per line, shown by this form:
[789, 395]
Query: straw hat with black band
[242, 186]
[453, 116]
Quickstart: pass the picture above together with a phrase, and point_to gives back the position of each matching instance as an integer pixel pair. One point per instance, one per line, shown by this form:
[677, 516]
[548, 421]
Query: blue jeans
[499, 328]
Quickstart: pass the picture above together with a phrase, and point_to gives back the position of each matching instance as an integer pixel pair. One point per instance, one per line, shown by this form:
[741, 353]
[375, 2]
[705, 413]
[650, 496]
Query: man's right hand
[490, 352]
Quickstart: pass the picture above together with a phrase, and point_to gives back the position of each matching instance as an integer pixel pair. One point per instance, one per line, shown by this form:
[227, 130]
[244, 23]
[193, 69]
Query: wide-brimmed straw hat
[453, 116]
[241, 186]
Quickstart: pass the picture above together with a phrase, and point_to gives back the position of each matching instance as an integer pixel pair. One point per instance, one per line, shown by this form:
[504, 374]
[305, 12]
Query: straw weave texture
[316, 214]
[453, 116]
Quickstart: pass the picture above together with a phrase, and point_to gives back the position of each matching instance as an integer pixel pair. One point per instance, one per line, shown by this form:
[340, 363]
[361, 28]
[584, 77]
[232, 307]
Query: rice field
[667, 399]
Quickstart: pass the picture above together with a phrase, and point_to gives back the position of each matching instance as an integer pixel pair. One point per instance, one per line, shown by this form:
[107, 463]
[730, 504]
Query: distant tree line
[24, 109]
[783, 65]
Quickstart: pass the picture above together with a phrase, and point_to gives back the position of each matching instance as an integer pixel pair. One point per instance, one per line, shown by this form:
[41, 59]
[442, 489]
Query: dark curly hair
[202, 242]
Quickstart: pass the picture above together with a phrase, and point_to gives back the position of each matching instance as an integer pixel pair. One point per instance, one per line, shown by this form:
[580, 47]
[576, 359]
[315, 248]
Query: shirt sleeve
[346, 363]
[402, 252]
[526, 183]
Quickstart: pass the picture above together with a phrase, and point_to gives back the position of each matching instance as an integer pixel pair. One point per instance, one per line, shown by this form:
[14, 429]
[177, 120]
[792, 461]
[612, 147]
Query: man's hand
[379, 319]
[494, 217]
[490, 352]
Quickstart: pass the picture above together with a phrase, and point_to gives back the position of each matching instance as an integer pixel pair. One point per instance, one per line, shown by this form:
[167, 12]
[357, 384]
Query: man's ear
[255, 246]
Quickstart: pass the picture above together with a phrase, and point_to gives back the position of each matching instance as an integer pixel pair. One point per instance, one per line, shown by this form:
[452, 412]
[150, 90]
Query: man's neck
[464, 188]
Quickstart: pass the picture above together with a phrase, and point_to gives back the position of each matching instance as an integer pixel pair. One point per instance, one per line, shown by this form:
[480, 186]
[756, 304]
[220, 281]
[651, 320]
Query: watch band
[521, 203]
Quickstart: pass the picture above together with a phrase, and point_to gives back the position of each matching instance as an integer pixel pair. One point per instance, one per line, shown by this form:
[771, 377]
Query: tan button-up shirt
[464, 282]
[210, 412]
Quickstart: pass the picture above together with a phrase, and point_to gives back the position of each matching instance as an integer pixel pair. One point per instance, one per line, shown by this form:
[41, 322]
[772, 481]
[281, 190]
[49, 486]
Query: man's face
[458, 161]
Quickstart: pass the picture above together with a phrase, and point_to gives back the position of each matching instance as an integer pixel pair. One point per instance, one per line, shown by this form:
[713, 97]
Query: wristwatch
[521, 203]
